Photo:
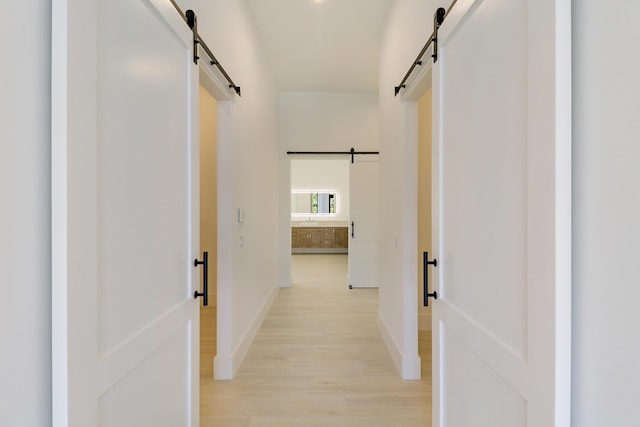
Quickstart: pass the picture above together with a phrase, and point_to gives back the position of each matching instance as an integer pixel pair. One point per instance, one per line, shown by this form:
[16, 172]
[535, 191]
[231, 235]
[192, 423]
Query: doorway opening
[214, 103]
[208, 227]
[417, 103]
[424, 227]
[334, 210]
[319, 201]
[319, 206]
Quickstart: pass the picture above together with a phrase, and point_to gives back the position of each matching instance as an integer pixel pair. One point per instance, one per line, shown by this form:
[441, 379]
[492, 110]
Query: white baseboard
[411, 367]
[285, 282]
[222, 367]
[225, 367]
[408, 366]
[394, 350]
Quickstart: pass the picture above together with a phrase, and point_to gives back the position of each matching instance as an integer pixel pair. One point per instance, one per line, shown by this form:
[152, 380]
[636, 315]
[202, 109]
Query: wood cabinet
[307, 237]
[319, 239]
[341, 239]
[295, 238]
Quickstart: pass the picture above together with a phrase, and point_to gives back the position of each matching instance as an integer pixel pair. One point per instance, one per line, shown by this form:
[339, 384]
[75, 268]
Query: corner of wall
[285, 281]
[223, 367]
[226, 365]
[408, 366]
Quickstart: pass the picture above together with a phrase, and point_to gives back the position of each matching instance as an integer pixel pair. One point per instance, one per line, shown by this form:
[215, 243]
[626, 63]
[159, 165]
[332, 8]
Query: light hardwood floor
[319, 360]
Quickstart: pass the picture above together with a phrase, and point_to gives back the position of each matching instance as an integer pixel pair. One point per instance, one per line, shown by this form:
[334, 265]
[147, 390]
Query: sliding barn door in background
[125, 217]
[502, 215]
[363, 221]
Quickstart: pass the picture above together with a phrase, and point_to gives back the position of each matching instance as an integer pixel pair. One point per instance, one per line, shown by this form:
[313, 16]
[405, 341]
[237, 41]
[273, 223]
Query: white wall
[408, 28]
[320, 122]
[323, 174]
[248, 178]
[328, 121]
[25, 242]
[606, 222]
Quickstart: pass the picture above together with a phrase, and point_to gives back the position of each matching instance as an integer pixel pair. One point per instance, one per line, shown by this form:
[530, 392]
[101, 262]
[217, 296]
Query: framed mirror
[306, 202]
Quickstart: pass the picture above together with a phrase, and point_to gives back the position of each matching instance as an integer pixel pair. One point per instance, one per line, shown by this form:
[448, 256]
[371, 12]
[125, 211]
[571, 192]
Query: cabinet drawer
[341, 239]
[326, 232]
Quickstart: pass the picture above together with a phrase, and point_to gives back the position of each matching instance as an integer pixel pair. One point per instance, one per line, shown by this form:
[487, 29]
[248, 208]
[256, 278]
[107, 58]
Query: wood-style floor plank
[319, 360]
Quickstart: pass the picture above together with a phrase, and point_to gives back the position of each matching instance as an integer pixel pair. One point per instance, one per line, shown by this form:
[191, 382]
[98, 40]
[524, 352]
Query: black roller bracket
[236, 88]
[438, 19]
[353, 230]
[425, 265]
[192, 22]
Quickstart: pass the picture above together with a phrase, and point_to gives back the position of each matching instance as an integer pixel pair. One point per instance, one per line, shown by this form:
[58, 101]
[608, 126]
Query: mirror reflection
[313, 202]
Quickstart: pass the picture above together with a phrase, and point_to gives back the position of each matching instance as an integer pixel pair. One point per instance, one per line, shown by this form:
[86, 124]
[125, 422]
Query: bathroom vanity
[319, 239]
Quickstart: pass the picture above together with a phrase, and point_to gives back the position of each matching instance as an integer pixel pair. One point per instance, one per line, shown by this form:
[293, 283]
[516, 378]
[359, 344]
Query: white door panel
[125, 223]
[484, 206]
[502, 225]
[363, 269]
[363, 216]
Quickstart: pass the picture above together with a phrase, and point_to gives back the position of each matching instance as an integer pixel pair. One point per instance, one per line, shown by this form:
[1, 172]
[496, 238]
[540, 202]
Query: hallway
[319, 360]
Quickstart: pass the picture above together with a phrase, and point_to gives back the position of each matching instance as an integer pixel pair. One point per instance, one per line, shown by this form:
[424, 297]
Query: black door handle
[426, 264]
[205, 282]
[353, 230]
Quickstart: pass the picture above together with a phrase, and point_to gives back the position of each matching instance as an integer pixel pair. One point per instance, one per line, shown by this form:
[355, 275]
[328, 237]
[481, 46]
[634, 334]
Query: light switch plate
[242, 214]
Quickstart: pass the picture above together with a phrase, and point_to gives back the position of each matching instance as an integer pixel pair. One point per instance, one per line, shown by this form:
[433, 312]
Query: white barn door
[125, 217]
[502, 224]
[364, 206]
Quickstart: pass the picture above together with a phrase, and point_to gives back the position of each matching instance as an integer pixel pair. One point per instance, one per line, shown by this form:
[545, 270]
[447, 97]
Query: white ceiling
[322, 45]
